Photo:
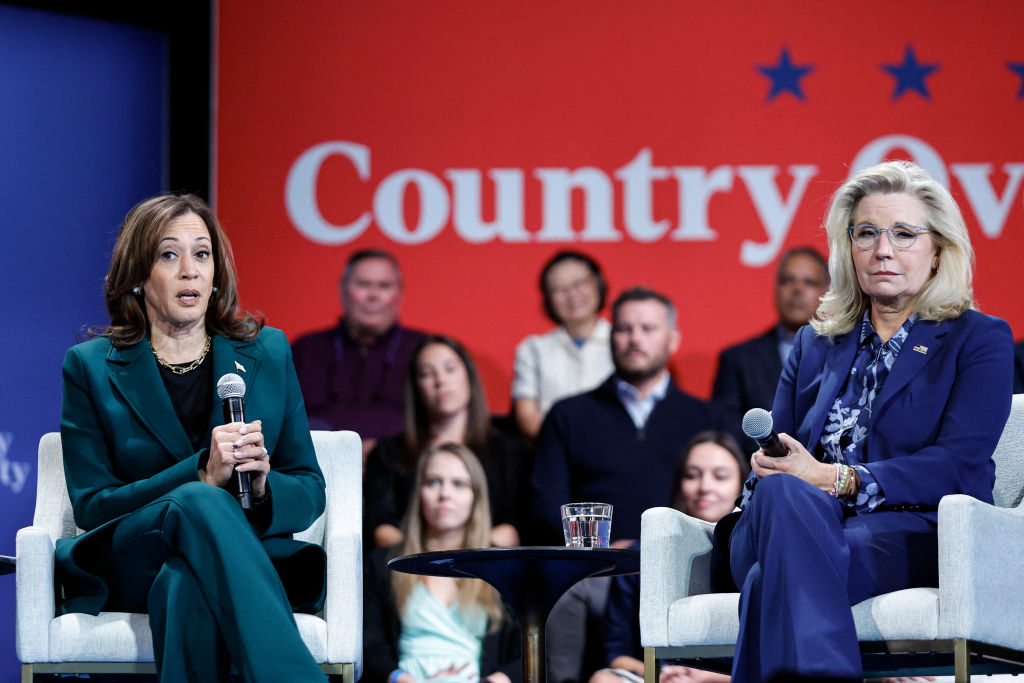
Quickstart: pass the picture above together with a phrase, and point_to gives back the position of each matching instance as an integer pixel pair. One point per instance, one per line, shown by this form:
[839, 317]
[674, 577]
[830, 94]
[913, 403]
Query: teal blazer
[124, 448]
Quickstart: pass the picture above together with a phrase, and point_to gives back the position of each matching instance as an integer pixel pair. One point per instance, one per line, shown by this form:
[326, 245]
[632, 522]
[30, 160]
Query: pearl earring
[214, 290]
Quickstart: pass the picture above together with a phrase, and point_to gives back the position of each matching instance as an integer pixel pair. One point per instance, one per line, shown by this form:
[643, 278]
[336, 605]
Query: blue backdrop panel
[82, 129]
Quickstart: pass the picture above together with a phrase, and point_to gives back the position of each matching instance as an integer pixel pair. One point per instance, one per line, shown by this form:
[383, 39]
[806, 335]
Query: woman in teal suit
[150, 465]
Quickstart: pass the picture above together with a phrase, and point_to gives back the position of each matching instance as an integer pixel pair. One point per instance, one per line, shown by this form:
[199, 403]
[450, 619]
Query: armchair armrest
[34, 585]
[343, 610]
[675, 562]
[981, 571]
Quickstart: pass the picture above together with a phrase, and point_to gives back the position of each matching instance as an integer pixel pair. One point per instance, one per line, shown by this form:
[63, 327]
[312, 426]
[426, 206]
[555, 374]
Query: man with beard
[748, 373]
[615, 444]
[618, 443]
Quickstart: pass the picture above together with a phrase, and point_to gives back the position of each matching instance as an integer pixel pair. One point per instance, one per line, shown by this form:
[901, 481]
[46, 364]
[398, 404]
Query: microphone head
[230, 386]
[758, 423]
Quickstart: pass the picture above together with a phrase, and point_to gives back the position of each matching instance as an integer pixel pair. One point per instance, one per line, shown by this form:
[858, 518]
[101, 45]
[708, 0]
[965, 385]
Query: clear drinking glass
[587, 525]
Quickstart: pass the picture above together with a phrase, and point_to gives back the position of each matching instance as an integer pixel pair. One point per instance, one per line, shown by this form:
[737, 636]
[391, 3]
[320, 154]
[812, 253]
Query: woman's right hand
[797, 462]
[228, 448]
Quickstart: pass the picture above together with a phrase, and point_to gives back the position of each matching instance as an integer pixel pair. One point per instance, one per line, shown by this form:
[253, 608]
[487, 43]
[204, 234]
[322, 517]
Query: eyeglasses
[558, 290]
[901, 235]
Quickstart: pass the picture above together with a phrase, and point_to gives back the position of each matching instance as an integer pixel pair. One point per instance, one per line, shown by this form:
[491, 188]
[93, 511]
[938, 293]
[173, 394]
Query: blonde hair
[947, 294]
[470, 593]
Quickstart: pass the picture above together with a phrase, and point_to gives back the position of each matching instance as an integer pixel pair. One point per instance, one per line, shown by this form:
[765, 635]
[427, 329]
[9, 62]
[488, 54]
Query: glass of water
[587, 525]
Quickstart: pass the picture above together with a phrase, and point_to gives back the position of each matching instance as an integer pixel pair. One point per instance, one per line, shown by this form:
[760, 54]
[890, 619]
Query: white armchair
[973, 620]
[119, 642]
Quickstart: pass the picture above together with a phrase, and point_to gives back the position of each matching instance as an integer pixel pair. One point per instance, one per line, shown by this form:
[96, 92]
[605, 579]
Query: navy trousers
[192, 561]
[800, 563]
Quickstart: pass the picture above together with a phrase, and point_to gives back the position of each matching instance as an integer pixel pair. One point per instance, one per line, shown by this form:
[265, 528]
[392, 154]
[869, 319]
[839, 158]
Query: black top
[389, 480]
[192, 397]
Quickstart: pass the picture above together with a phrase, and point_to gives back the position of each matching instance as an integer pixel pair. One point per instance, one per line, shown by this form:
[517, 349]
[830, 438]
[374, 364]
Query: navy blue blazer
[939, 416]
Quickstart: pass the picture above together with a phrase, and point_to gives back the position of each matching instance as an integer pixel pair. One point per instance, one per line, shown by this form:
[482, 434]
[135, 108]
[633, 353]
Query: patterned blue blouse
[850, 416]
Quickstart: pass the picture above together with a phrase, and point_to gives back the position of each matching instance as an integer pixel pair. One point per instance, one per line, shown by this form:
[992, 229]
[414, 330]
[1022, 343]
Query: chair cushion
[106, 637]
[124, 637]
[313, 630]
[909, 614]
[713, 619]
[710, 619]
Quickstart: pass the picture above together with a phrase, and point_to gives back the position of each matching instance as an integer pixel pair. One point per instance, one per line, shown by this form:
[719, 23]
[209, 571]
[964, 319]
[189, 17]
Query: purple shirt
[349, 386]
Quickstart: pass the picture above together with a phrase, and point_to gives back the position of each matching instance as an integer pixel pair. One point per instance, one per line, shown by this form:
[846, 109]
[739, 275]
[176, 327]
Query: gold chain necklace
[188, 368]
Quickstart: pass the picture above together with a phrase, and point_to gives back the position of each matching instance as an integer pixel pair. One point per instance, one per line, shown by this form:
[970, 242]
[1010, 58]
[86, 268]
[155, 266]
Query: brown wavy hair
[719, 438]
[134, 254]
[417, 417]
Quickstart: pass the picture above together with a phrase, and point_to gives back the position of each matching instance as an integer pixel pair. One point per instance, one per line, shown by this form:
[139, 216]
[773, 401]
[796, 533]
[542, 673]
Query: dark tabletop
[447, 562]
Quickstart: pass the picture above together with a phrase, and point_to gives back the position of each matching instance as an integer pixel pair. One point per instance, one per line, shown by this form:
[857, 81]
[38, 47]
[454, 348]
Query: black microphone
[231, 389]
[758, 425]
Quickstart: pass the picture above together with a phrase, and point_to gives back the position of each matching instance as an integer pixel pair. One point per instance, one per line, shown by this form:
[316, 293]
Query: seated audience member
[708, 477]
[445, 402]
[351, 375]
[618, 443]
[1018, 368]
[574, 356]
[615, 444]
[419, 628]
[749, 372]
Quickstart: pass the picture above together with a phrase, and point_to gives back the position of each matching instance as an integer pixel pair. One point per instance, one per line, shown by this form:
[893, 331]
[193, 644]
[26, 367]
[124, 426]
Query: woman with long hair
[444, 403]
[708, 478]
[152, 470]
[419, 628]
[893, 397]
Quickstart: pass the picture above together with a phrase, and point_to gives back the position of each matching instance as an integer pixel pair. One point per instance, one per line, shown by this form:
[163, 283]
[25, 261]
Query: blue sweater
[589, 450]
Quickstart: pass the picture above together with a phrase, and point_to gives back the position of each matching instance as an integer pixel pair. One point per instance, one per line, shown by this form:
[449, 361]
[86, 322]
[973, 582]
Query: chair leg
[348, 673]
[26, 673]
[650, 666]
[961, 661]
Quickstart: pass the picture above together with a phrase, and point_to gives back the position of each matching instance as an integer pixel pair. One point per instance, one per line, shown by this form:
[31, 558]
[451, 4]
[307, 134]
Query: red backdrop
[684, 147]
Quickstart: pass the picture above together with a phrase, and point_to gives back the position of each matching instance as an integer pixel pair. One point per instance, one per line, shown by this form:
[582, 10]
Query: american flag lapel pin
[920, 348]
[241, 368]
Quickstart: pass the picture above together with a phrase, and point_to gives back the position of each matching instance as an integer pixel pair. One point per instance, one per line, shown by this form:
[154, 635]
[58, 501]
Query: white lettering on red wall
[459, 201]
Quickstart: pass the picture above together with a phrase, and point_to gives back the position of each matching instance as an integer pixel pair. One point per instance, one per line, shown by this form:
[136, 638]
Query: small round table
[530, 578]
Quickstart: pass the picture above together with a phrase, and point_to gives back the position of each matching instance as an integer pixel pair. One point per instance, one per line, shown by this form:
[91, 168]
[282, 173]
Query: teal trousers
[192, 560]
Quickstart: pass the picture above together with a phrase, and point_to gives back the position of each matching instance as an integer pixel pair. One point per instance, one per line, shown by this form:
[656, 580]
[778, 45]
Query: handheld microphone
[758, 425]
[231, 389]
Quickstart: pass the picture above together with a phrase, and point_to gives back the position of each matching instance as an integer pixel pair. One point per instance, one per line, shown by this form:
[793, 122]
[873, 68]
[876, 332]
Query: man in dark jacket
[615, 444]
[749, 372]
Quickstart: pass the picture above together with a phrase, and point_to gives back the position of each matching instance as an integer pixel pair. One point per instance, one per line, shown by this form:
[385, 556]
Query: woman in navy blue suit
[892, 398]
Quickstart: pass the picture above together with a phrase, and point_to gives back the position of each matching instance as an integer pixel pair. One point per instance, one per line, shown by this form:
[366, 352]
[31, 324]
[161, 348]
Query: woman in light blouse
[575, 356]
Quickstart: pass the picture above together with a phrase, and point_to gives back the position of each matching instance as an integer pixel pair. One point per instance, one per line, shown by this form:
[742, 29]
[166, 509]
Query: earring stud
[136, 290]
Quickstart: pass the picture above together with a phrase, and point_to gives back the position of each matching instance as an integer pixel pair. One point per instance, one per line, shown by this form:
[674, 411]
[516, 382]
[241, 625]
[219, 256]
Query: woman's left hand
[252, 456]
[798, 462]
